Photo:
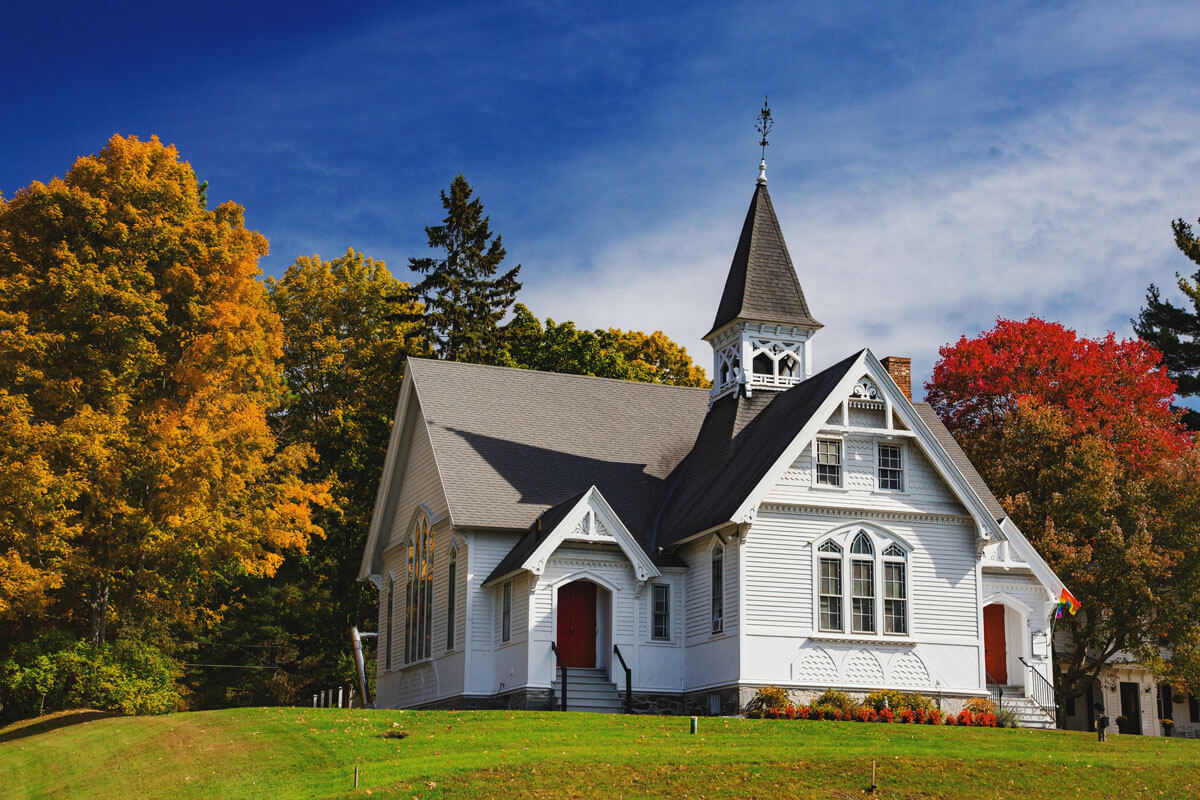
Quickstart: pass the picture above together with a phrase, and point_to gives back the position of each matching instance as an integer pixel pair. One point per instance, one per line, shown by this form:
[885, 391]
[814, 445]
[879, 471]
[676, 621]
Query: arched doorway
[578, 617]
[995, 644]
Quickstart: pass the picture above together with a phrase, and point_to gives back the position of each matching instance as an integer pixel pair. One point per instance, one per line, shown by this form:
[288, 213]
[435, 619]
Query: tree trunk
[99, 613]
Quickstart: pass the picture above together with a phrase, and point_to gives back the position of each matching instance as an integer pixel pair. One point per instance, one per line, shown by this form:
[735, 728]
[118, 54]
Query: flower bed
[906, 716]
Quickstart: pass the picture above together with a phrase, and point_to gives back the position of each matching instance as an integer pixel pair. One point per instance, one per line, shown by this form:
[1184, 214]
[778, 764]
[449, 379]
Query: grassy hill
[311, 753]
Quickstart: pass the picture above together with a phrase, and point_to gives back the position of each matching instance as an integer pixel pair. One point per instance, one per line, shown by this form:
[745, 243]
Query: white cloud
[1070, 221]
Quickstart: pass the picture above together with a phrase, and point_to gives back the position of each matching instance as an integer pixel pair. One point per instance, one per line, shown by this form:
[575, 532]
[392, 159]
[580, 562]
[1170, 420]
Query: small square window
[891, 468]
[661, 613]
[829, 462]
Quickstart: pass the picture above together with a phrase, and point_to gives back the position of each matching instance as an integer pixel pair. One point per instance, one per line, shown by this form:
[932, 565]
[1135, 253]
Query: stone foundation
[661, 704]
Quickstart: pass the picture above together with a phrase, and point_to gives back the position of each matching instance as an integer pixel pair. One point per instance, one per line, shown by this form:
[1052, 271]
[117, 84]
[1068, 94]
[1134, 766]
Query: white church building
[784, 528]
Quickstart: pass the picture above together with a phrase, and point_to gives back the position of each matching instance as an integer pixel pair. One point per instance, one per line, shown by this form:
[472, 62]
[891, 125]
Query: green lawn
[309, 753]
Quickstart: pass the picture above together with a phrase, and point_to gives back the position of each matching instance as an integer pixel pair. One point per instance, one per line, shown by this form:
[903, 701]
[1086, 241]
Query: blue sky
[934, 165]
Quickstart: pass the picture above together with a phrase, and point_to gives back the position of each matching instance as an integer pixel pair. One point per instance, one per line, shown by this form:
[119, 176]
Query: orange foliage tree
[139, 360]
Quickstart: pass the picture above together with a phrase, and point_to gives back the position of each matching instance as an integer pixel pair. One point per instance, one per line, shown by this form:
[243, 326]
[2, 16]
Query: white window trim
[826, 487]
[903, 490]
[506, 599]
[661, 639]
[451, 640]
[713, 629]
[880, 540]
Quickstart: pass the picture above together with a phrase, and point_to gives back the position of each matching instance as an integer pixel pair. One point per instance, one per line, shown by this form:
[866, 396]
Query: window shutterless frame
[660, 612]
[870, 579]
[828, 453]
[506, 612]
[718, 588]
[889, 470]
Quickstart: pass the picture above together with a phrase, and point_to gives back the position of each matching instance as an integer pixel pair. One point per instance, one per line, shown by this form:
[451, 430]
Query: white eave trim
[1033, 560]
[591, 520]
[385, 480]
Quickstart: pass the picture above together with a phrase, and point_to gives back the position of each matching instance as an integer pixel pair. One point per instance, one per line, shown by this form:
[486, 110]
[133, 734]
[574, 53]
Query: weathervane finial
[764, 126]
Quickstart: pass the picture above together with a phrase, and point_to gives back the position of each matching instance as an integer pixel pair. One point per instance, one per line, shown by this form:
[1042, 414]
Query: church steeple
[762, 331]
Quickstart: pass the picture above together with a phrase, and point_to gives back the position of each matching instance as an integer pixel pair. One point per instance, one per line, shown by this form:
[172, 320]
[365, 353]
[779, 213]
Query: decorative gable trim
[369, 567]
[1025, 551]
[593, 521]
[868, 366]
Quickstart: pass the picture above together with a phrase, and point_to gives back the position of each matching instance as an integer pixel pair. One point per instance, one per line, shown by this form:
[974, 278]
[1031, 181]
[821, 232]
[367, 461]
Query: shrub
[980, 705]
[832, 698]
[887, 715]
[56, 672]
[767, 698]
[1005, 718]
[897, 700]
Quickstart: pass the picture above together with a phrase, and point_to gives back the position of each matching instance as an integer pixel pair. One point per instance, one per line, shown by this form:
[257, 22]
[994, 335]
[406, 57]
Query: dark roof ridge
[526, 370]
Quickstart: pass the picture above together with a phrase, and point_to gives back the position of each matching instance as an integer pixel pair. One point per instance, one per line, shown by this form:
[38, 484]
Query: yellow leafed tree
[139, 360]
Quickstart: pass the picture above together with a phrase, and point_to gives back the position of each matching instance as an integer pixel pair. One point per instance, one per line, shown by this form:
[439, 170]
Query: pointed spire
[762, 285]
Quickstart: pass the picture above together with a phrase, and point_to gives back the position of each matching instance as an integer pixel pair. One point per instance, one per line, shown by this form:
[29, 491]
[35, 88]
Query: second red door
[995, 648]
[577, 624]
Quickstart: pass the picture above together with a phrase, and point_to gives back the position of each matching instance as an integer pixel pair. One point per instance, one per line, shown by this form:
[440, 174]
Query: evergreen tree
[463, 297]
[1175, 330]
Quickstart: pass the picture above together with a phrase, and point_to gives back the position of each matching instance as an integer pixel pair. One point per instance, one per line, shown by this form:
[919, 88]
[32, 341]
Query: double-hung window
[829, 462]
[895, 590]
[862, 584]
[660, 612]
[718, 589]
[831, 587]
[891, 467]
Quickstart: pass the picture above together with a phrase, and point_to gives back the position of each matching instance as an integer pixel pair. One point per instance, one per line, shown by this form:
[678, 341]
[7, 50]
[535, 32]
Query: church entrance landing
[577, 629]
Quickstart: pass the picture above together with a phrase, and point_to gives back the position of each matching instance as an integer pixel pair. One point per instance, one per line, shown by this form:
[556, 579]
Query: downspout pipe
[360, 664]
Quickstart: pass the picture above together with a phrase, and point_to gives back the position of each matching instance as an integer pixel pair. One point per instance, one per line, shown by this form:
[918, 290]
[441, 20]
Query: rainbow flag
[1066, 602]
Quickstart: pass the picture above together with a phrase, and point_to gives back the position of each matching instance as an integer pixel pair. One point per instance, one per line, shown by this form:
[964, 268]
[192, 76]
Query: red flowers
[907, 716]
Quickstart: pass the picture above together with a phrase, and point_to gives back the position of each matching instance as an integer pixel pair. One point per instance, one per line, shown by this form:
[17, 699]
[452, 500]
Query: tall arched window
[862, 589]
[865, 559]
[451, 597]
[418, 617]
[388, 626]
[718, 588]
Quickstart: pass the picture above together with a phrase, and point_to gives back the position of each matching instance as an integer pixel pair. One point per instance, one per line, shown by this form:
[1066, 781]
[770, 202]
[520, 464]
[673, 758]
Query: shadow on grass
[54, 722]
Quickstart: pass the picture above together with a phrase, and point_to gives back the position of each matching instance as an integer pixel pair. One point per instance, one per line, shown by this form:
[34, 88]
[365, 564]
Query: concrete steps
[1029, 714]
[589, 690]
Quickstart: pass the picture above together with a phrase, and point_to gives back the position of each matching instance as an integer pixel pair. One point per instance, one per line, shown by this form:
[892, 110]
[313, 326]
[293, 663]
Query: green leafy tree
[464, 297]
[612, 353]
[343, 360]
[1175, 329]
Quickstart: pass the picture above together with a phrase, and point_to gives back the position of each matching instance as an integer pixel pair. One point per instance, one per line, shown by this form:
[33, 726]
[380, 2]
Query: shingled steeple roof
[762, 285]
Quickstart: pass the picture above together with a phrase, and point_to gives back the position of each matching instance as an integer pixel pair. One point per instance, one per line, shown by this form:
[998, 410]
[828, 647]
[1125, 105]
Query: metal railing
[1041, 691]
[562, 672]
[995, 691]
[628, 680]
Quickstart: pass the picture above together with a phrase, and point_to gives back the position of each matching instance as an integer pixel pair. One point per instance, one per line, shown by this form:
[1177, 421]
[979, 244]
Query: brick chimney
[900, 368]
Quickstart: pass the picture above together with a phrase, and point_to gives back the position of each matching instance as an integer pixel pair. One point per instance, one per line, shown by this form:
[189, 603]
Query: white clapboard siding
[698, 589]
[490, 548]
[924, 490]
[778, 555]
[419, 485]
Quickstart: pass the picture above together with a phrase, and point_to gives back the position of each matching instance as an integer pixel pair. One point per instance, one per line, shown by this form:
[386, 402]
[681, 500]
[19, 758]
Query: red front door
[995, 649]
[577, 624]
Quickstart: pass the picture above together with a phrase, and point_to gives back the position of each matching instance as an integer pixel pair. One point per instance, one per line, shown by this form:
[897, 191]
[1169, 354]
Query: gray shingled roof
[762, 283]
[511, 443]
[727, 463]
[952, 448]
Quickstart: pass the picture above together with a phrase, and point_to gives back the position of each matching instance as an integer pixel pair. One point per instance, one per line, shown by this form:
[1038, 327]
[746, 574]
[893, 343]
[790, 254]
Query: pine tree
[1175, 330]
[464, 299]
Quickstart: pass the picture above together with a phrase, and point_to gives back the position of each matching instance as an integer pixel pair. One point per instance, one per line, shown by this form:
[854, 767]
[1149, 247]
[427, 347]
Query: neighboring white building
[789, 529]
[1127, 689]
